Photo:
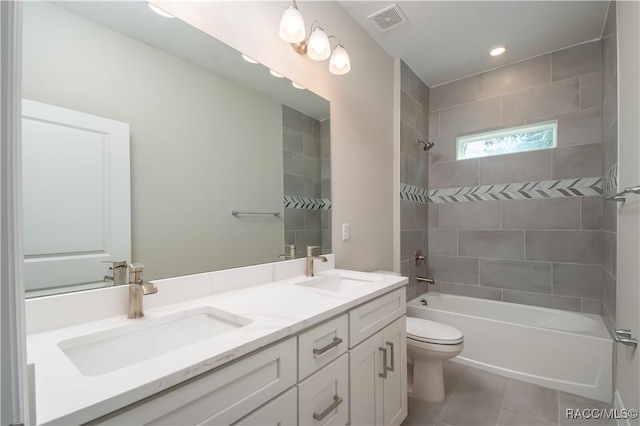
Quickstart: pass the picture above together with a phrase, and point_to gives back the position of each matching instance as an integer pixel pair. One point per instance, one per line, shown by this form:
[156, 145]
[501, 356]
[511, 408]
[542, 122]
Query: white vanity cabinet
[329, 374]
[378, 364]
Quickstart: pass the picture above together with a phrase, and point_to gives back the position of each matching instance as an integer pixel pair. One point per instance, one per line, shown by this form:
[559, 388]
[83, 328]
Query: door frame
[13, 365]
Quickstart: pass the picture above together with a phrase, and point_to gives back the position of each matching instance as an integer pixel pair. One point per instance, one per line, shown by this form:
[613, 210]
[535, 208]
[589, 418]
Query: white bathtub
[562, 350]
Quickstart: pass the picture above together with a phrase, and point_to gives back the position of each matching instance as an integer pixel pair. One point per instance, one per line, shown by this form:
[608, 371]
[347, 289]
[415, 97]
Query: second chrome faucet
[311, 258]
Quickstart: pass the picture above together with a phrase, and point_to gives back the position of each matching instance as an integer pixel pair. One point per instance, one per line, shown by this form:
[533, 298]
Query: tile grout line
[504, 399]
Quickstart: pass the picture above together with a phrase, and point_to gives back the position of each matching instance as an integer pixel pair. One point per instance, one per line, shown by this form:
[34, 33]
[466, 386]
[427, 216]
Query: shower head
[427, 145]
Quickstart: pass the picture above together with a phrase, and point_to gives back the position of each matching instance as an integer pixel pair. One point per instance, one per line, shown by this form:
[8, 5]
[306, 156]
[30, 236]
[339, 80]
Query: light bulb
[318, 47]
[292, 26]
[297, 86]
[339, 63]
[275, 74]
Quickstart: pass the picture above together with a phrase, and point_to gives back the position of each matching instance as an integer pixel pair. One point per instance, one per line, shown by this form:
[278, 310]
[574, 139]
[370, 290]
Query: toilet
[428, 344]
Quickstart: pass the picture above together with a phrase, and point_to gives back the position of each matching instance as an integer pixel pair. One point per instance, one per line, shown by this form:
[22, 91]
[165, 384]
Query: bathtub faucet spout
[425, 280]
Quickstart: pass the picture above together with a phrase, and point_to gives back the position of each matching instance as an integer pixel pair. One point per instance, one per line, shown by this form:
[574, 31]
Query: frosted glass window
[530, 137]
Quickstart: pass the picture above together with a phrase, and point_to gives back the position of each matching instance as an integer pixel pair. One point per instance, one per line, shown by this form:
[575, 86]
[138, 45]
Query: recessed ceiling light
[497, 51]
[249, 59]
[159, 11]
[275, 74]
[297, 86]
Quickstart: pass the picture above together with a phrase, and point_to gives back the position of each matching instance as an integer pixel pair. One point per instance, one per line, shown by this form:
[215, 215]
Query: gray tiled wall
[610, 143]
[546, 252]
[307, 173]
[414, 170]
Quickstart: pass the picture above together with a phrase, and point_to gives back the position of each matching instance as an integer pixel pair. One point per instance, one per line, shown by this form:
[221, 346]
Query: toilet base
[428, 380]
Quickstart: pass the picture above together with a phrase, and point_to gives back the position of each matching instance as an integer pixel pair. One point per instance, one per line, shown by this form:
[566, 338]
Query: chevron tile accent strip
[414, 193]
[519, 191]
[307, 203]
[610, 180]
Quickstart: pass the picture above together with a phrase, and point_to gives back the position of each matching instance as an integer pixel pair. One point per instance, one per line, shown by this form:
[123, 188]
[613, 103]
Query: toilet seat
[426, 331]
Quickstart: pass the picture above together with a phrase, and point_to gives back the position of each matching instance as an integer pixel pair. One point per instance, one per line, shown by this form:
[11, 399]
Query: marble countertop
[65, 396]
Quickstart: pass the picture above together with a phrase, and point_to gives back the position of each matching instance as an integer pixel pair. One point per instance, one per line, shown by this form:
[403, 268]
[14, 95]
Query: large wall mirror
[142, 134]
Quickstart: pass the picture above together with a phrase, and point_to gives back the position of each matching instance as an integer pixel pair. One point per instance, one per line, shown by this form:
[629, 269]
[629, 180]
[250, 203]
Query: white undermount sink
[341, 281]
[109, 350]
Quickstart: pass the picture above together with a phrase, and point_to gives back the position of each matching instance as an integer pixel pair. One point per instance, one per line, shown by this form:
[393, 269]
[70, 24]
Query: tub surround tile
[591, 306]
[577, 161]
[455, 93]
[543, 300]
[520, 167]
[434, 125]
[422, 215]
[444, 149]
[515, 77]
[454, 269]
[443, 242]
[292, 140]
[294, 219]
[517, 275]
[408, 137]
[408, 110]
[492, 244]
[407, 214]
[434, 215]
[418, 90]
[583, 281]
[578, 60]
[298, 121]
[591, 90]
[422, 123]
[484, 215]
[410, 241]
[609, 255]
[564, 246]
[591, 213]
[470, 117]
[555, 98]
[579, 128]
[558, 213]
[453, 174]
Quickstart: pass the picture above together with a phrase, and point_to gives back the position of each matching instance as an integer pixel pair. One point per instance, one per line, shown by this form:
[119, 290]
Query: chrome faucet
[311, 258]
[138, 289]
[119, 269]
[425, 280]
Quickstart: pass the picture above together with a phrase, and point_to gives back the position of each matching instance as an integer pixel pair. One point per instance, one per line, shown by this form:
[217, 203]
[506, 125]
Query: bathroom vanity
[251, 346]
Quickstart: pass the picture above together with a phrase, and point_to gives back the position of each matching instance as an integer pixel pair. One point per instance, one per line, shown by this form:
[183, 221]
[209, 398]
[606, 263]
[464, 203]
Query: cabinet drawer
[282, 411]
[367, 319]
[323, 398]
[220, 397]
[321, 345]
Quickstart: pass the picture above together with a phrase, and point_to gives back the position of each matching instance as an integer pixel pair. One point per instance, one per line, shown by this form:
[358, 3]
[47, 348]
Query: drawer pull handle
[384, 363]
[392, 357]
[336, 401]
[336, 342]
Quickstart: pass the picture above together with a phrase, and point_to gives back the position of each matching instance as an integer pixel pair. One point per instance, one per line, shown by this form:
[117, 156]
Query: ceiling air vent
[388, 18]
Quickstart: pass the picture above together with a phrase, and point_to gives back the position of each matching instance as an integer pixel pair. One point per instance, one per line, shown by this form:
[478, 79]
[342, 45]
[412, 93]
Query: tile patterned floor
[476, 398]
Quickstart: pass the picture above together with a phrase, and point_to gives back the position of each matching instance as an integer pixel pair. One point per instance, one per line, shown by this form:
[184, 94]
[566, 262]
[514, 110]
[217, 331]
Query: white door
[628, 287]
[76, 192]
[395, 385]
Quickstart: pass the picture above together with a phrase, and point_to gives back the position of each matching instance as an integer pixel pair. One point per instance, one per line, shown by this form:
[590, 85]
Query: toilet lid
[427, 331]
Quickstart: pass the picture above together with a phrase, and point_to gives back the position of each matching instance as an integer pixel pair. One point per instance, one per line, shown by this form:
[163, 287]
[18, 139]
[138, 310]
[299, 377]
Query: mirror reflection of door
[77, 209]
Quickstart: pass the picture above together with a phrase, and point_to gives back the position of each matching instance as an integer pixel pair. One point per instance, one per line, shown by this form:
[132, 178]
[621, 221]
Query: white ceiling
[448, 40]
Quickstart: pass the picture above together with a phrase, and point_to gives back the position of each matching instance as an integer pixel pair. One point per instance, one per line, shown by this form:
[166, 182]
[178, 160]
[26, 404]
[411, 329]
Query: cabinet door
[366, 384]
[323, 398]
[395, 384]
[282, 411]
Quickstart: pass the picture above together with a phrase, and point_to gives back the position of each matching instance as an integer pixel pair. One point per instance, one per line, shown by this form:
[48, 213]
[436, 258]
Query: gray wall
[541, 252]
[610, 141]
[414, 170]
[306, 174]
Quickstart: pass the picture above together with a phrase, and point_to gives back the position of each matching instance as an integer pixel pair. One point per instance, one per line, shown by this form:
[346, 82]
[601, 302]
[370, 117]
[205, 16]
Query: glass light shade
[292, 26]
[498, 51]
[249, 59]
[159, 11]
[339, 63]
[318, 47]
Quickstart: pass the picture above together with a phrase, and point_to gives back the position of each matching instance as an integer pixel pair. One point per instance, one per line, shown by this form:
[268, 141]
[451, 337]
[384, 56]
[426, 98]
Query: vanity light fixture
[497, 51]
[249, 59]
[159, 11]
[275, 74]
[316, 46]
